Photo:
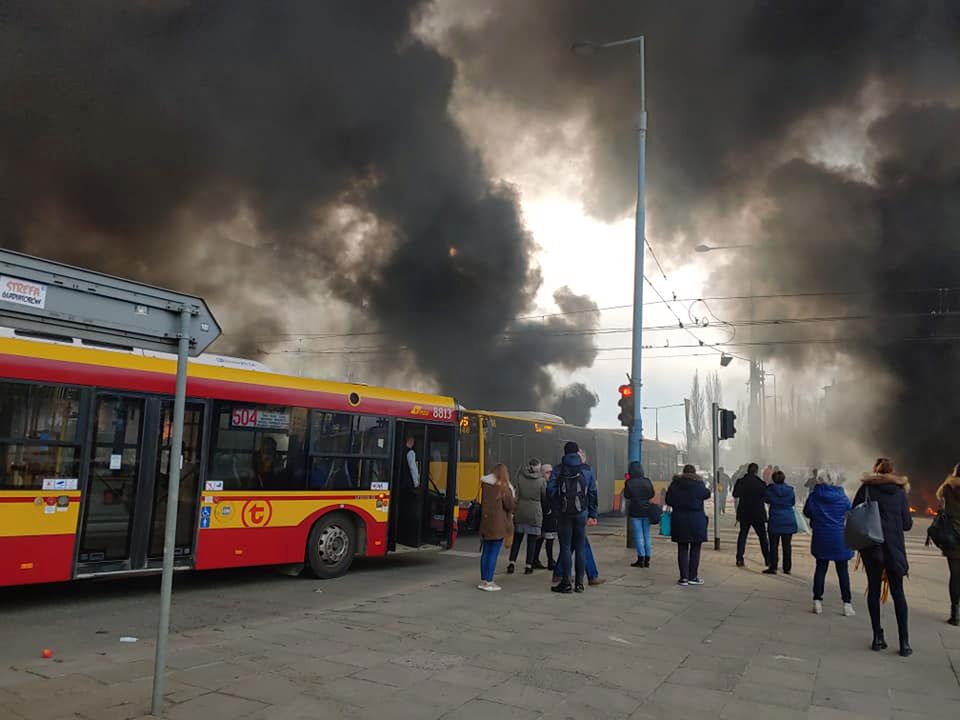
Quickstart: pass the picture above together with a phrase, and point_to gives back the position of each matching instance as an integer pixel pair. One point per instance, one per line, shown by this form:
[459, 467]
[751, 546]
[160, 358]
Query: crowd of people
[549, 504]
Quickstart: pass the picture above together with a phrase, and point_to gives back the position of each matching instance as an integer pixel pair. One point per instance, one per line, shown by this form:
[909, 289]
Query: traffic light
[727, 428]
[626, 406]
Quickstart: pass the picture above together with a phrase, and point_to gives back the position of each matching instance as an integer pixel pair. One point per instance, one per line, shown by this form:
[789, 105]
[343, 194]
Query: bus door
[125, 491]
[423, 515]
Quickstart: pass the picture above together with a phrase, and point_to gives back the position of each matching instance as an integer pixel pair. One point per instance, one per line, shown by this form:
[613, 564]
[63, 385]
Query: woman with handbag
[496, 524]
[886, 562]
[826, 506]
[949, 495]
[639, 491]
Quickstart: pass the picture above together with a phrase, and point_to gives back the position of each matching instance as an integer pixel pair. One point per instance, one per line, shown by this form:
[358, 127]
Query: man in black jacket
[750, 490]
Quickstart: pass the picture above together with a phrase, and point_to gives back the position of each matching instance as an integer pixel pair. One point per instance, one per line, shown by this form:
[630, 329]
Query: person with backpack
[548, 529]
[688, 527]
[886, 562]
[573, 490]
[750, 491]
[528, 518]
[497, 504]
[639, 491]
[949, 496]
[827, 506]
[783, 522]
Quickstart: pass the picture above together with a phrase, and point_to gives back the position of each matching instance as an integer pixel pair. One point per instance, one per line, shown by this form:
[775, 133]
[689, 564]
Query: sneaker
[578, 588]
[683, 581]
[596, 581]
[484, 585]
[493, 587]
[786, 572]
[818, 607]
[740, 563]
[510, 569]
[695, 581]
[528, 571]
[561, 588]
[848, 610]
[540, 566]
[770, 571]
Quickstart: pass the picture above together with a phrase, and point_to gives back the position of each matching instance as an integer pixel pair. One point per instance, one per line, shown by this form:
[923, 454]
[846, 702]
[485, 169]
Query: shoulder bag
[863, 528]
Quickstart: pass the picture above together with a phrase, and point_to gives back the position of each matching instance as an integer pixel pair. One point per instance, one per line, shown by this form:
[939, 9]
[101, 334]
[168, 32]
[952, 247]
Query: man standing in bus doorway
[409, 489]
[410, 478]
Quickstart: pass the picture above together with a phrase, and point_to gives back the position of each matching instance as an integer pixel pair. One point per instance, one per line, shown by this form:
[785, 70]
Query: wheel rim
[333, 544]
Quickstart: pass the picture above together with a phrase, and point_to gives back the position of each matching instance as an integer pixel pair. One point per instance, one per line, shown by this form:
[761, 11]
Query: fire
[931, 512]
[913, 510]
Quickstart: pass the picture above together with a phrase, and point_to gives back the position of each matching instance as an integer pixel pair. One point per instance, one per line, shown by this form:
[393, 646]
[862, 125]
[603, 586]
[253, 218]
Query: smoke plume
[278, 158]
[822, 131]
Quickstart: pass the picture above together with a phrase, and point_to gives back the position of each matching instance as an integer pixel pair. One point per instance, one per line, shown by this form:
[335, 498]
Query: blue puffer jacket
[780, 498]
[574, 461]
[827, 508]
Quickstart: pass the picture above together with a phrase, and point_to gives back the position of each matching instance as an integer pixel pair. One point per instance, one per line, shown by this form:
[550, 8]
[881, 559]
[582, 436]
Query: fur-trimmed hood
[952, 481]
[885, 479]
[688, 476]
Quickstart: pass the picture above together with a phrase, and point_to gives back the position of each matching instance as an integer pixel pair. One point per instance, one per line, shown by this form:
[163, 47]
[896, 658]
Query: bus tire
[332, 545]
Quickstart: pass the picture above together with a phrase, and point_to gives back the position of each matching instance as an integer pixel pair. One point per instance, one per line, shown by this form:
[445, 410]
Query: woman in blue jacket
[782, 523]
[827, 506]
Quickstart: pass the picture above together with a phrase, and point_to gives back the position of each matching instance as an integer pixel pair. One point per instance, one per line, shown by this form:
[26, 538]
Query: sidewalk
[744, 645]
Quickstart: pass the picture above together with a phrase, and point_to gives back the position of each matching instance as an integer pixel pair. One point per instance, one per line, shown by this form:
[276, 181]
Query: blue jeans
[641, 535]
[573, 534]
[590, 563]
[488, 558]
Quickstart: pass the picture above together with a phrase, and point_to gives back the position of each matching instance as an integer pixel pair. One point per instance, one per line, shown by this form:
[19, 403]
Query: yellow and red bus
[275, 469]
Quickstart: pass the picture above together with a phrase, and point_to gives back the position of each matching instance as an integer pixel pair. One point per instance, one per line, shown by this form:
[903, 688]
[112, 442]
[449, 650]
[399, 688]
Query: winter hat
[571, 448]
[636, 469]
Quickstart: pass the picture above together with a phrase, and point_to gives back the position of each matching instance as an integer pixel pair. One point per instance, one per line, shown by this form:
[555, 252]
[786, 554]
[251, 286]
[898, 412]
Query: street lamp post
[636, 429]
[657, 409]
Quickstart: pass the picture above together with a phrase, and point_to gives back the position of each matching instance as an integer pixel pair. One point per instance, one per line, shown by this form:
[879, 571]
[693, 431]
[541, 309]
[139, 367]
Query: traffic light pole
[715, 442]
[636, 430]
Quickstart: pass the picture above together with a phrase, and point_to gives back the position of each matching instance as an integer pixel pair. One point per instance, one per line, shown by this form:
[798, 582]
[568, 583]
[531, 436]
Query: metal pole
[173, 496]
[715, 443]
[636, 431]
[656, 415]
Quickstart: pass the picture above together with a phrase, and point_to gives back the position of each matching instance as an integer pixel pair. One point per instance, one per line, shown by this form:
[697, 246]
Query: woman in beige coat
[497, 503]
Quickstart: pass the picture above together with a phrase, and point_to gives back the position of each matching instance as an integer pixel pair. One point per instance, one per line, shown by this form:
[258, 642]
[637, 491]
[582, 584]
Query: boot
[905, 649]
[646, 561]
[878, 642]
[954, 614]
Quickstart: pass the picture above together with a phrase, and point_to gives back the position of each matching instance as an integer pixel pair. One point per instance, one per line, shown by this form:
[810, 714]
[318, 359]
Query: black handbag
[654, 513]
[943, 532]
[863, 528]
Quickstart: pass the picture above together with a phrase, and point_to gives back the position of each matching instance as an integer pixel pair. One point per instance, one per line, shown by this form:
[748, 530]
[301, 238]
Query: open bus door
[424, 515]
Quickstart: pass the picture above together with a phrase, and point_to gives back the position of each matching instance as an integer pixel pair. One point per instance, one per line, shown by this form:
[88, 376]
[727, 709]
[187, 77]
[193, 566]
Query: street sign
[51, 298]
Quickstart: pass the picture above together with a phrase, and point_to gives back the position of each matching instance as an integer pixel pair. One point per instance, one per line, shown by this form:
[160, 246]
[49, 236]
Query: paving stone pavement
[743, 645]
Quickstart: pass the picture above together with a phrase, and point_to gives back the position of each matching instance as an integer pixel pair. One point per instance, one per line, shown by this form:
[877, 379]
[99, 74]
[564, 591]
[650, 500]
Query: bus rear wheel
[331, 546]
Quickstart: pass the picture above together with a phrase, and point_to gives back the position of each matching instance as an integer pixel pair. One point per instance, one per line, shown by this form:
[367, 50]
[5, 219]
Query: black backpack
[571, 490]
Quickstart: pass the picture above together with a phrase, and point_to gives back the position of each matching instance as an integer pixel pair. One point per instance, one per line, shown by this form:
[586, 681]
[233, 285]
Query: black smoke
[269, 155]
[823, 131]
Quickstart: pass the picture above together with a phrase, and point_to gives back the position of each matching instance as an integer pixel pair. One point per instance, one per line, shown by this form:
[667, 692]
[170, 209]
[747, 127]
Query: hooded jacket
[781, 499]
[573, 460]
[890, 492]
[827, 507]
[949, 494]
[750, 490]
[497, 504]
[685, 496]
[639, 491]
[531, 489]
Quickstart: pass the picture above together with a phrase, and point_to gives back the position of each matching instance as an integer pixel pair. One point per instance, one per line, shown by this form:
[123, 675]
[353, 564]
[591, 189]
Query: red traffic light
[626, 391]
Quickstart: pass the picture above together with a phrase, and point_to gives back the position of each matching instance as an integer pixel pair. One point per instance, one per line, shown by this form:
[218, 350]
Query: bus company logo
[419, 411]
[256, 513]
[22, 292]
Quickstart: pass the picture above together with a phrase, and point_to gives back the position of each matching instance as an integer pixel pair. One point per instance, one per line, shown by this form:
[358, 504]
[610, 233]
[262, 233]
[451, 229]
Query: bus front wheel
[332, 546]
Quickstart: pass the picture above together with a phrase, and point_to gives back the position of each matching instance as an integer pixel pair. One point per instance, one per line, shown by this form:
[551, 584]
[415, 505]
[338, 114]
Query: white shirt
[412, 464]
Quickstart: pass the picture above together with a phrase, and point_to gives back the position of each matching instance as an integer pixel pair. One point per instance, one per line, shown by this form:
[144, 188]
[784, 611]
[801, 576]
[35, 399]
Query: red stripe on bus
[280, 498]
[60, 371]
[242, 547]
[35, 559]
[43, 494]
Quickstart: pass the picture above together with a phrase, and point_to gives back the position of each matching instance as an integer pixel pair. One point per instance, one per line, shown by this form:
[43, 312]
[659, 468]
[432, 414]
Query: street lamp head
[725, 359]
[703, 248]
[584, 48]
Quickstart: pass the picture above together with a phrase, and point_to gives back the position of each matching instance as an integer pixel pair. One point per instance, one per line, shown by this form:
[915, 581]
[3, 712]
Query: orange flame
[913, 510]
[931, 512]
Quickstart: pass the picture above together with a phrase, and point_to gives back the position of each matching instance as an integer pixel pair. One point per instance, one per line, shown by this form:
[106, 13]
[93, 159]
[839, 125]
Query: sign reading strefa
[22, 292]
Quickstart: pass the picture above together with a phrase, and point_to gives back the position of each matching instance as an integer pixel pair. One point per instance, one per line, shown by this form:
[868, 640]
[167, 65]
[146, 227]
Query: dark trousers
[775, 542]
[572, 531]
[761, 531]
[531, 547]
[688, 559]
[843, 577]
[540, 542]
[954, 565]
[874, 570]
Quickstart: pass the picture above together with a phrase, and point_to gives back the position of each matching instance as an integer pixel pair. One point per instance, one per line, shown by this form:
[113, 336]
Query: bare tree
[713, 389]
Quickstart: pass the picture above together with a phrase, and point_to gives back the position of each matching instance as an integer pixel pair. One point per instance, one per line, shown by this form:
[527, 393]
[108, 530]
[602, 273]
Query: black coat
[685, 496]
[895, 519]
[639, 491]
[750, 490]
